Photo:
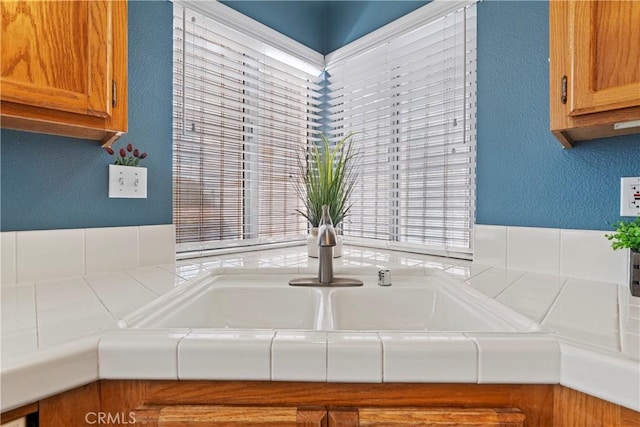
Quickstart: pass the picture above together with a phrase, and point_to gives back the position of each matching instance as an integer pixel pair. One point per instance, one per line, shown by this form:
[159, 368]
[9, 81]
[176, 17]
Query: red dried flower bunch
[128, 157]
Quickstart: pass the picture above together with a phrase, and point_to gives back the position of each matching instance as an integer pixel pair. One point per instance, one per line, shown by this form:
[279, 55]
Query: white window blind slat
[241, 120]
[413, 98]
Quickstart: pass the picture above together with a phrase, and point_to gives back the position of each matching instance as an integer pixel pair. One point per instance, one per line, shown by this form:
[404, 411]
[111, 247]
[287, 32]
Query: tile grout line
[112, 315]
[273, 337]
[506, 248]
[382, 375]
[35, 306]
[560, 252]
[142, 284]
[84, 251]
[620, 321]
[15, 259]
[510, 285]
[555, 301]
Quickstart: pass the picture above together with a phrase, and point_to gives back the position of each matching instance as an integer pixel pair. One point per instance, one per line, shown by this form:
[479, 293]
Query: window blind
[242, 113]
[413, 98]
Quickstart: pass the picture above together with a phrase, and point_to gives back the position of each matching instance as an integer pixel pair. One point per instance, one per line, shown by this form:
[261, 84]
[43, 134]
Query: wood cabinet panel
[76, 407]
[575, 409]
[606, 55]
[51, 65]
[64, 67]
[594, 70]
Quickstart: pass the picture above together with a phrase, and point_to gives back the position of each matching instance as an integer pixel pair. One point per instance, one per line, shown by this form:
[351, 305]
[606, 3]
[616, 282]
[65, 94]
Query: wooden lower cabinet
[246, 403]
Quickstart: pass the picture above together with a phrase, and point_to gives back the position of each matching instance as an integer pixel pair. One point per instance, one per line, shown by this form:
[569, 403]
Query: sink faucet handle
[326, 232]
[384, 277]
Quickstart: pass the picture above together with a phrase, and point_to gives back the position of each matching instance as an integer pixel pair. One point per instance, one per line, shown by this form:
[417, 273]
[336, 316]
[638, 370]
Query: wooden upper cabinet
[594, 69]
[64, 67]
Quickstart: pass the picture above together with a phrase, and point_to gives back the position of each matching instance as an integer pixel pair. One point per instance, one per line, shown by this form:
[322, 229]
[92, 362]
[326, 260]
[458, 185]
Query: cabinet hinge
[563, 93]
[114, 93]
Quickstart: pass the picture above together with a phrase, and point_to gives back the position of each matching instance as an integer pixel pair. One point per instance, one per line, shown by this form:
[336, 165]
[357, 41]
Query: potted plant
[627, 236]
[327, 176]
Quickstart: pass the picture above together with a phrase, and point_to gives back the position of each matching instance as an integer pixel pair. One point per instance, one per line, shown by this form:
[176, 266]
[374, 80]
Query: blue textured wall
[325, 26]
[349, 20]
[524, 177]
[50, 182]
[303, 21]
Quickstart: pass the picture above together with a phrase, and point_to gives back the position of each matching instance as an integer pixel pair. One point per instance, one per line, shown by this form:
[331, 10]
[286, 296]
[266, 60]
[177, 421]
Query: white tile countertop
[63, 333]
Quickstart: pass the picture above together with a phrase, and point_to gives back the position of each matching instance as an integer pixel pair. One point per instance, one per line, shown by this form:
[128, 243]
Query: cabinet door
[64, 68]
[416, 417]
[229, 416]
[56, 55]
[606, 55]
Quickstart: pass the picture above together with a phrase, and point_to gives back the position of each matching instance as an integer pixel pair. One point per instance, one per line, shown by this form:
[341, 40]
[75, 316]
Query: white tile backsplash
[7, 258]
[584, 254]
[111, 249]
[157, 244]
[29, 256]
[490, 245]
[49, 254]
[533, 249]
[587, 254]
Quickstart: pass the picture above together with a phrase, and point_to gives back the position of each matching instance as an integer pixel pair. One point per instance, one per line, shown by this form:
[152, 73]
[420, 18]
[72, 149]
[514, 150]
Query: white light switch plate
[127, 182]
[630, 196]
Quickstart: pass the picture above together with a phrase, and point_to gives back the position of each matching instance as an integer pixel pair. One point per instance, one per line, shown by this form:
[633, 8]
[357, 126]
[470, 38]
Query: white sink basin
[241, 308]
[237, 301]
[410, 309]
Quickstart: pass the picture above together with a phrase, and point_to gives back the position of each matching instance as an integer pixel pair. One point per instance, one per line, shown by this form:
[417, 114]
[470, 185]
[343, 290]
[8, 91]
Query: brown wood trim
[334, 394]
[343, 417]
[20, 412]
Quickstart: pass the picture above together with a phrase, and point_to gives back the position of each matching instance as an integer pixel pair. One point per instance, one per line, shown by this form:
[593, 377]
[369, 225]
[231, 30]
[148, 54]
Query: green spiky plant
[328, 174]
[627, 235]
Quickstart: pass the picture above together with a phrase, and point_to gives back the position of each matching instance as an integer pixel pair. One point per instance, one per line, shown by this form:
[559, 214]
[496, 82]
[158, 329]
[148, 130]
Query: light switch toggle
[127, 182]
